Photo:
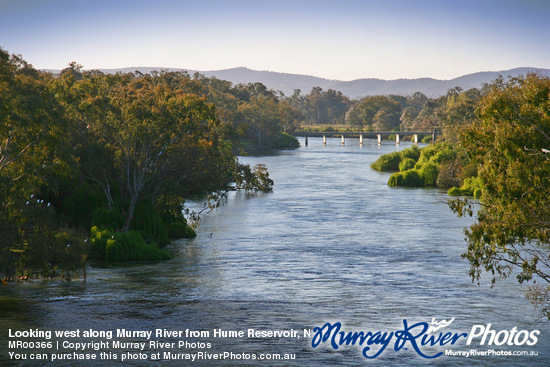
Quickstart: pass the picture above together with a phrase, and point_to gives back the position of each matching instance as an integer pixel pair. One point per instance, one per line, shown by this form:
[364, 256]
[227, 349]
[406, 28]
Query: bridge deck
[357, 133]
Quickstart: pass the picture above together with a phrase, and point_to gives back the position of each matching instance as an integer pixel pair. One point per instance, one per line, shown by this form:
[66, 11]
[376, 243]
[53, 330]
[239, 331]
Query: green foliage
[130, 246]
[434, 165]
[427, 153]
[375, 112]
[510, 145]
[454, 191]
[445, 154]
[105, 218]
[88, 149]
[321, 107]
[477, 193]
[391, 162]
[406, 164]
[472, 186]
[180, 230]
[396, 179]
[428, 173]
[80, 204]
[148, 221]
[260, 122]
[410, 178]
[98, 242]
[387, 162]
[123, 246]
[252, 180]
[286, 141]
[412, 153]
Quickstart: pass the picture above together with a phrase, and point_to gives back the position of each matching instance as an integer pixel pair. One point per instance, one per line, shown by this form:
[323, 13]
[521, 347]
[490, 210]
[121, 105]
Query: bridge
[368, 134]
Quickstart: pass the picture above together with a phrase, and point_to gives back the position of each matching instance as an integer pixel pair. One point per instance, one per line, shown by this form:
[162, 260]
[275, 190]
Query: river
[331, 243]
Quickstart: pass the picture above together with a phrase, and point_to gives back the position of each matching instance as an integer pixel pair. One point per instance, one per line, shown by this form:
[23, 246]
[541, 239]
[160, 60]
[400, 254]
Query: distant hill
[354, 89]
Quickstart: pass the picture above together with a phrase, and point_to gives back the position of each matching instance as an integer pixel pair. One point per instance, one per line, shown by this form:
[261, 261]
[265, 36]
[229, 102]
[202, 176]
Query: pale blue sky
[345, 40]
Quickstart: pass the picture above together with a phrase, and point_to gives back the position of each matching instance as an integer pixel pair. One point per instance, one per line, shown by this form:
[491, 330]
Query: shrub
[445, 155]
[427, 139]
[395, 179]
[130, 246]
[412, 153]
[406, 164]
[428, 173]
[426, 153]
[448, 175]
[387, 162]
[180, 230]
[104, 218]
[69, 250]
[472, 187]
[148, 220]
[470, 184]
[477, 193]
[411, 178]
[286, 141]
[454, 191]
[98, 242]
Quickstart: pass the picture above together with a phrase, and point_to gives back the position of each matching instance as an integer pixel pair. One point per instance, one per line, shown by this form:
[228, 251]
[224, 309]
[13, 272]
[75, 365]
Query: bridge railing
[360, 135]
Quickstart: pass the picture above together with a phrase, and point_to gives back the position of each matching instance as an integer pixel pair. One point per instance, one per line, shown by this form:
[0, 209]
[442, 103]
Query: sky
[339, 39]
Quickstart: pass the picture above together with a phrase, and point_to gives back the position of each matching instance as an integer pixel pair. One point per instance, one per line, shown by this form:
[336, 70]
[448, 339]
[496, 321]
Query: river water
[331, 243]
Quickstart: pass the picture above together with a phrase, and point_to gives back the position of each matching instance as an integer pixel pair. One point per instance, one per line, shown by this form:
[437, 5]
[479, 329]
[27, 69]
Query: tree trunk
[130, 213]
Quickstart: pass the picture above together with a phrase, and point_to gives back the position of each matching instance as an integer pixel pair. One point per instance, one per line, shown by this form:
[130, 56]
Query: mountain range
[354, 89]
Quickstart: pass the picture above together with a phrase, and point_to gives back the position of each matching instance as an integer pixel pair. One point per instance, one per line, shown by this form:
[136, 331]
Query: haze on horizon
[342, 40]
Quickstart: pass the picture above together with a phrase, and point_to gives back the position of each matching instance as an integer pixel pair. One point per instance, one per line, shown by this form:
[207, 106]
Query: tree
[413, 106]
[511, 146]
[431, 114]
[459, 111]
[142, 123]
[261, 118]
[34, 158]
[375, 112]
[321, 107]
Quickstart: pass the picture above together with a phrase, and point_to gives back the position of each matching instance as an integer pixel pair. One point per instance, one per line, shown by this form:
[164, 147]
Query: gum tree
[511, 146]
[143, 124]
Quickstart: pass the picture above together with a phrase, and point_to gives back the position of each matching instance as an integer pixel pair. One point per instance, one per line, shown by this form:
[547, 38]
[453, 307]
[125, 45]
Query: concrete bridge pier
[396, 138]
[306, 141]
[379, 139]
[324, 140]
[415, 138]
[343, 140]
[360, 139]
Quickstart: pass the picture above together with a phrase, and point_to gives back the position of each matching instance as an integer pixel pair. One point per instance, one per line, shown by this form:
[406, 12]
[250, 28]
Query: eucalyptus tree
[34, 158]
[510, 143]
[142, 124]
